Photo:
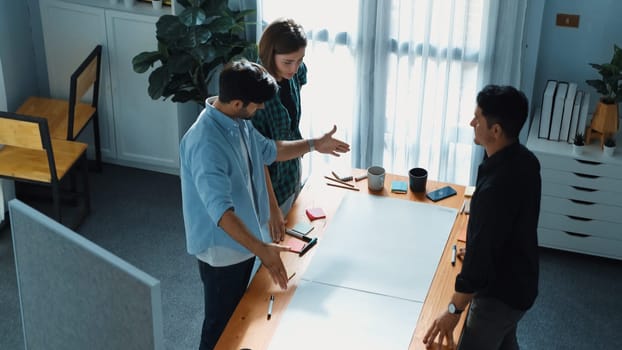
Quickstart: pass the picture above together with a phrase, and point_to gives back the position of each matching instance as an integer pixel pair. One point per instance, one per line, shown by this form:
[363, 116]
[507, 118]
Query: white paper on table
[382, 245]
[320, 316]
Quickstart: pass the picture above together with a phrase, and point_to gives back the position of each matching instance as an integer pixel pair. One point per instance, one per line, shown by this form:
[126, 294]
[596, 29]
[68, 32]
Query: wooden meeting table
[249, 328]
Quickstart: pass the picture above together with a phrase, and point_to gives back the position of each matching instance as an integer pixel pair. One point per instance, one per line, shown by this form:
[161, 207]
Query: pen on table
[270, 306]
[462, 208]
[346, 178]
[290, 277]
[361, 177]
[453, 255]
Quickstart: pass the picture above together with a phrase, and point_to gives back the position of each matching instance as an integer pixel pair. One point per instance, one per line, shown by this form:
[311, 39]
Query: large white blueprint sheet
[371, 272]
[326, 317]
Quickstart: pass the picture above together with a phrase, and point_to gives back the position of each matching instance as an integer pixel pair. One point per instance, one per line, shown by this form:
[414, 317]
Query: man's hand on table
[443, 328]
[271, 259]
[276, 225]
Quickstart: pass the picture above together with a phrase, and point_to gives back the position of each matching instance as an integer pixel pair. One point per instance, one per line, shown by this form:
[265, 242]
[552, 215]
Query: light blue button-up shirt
[214, 178]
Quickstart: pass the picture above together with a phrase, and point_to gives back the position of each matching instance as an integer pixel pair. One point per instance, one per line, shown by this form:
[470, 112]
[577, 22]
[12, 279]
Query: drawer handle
[587, 175]
[585, 189]
[576, 234]
[588, 162]
[582, 202]
[578, 218]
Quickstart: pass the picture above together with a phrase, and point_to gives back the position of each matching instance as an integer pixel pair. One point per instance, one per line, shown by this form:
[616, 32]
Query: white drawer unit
[581, 208]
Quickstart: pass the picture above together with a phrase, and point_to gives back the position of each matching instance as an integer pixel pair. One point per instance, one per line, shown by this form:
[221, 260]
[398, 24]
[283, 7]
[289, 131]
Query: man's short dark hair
[246, 81]
[504, 105]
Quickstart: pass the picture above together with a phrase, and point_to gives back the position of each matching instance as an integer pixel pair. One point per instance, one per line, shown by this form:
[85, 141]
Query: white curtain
[399, 77]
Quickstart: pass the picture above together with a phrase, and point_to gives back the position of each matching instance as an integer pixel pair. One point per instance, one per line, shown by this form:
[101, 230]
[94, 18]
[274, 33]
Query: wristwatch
[311, 145]
[453, 309]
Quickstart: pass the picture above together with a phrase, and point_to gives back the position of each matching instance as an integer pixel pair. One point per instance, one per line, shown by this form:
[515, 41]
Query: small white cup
[157, 4]
[375, 178]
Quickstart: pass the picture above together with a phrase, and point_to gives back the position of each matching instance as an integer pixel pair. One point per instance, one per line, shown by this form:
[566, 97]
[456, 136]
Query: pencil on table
[340, 186]
[339, 181]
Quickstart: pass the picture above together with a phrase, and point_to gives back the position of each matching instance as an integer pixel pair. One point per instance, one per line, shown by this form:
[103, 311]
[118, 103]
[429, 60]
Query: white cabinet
[135, 130]
[70, 32]
[145, 130]
[581, 207]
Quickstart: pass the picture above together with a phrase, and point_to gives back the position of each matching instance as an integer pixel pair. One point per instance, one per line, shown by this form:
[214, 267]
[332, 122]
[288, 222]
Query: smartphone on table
[441, 193]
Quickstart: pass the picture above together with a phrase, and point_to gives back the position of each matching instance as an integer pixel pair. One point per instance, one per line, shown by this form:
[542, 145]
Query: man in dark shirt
[499, 275]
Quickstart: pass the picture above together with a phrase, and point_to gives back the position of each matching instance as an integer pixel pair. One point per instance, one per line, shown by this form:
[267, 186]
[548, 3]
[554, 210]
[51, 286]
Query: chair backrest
[24, 131]
[85, 77]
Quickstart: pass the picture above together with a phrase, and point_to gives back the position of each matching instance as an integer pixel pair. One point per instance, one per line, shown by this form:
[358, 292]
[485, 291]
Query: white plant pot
[608, 151]
[578, 149]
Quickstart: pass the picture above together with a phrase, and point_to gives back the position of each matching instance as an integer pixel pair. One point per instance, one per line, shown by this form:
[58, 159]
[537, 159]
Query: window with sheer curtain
[397, 77]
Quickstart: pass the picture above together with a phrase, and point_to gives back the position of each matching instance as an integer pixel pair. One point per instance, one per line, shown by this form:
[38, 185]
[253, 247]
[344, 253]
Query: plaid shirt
[275, 122]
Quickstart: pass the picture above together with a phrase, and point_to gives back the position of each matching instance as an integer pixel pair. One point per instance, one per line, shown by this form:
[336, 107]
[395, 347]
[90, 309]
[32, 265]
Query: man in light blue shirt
[224, 194]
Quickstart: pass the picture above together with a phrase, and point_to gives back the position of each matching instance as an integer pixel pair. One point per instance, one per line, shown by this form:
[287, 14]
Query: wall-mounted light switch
[567, 20]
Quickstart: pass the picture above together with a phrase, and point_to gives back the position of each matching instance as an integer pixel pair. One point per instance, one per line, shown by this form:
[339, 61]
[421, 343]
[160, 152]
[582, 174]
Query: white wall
[18, 67]
[566, 52]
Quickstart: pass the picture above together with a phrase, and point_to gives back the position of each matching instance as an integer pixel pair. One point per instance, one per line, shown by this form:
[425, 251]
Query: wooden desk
[249, 328]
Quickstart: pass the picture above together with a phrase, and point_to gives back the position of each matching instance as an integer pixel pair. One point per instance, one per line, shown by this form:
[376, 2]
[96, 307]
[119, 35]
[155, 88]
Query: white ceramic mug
[375, 178]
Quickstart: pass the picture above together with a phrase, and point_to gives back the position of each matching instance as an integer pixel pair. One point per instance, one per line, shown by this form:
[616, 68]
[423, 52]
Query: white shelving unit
[581, 207]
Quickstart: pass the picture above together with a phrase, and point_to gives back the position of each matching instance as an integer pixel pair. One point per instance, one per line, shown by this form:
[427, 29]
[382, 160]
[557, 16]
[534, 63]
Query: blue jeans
[223, 287]
[490, 325]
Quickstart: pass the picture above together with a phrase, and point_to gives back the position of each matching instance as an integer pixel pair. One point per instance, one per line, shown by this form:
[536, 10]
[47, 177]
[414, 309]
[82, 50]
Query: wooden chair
[67, 118]
[30, 155]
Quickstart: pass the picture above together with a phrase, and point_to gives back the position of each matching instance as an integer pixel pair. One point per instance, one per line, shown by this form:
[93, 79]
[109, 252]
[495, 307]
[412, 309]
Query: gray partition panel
[76, 295]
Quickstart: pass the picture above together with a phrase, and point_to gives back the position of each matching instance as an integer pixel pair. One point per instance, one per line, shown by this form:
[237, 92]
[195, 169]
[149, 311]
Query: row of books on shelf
[564, 111]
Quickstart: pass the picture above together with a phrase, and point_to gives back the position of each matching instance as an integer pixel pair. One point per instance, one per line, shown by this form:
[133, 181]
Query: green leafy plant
[192, 48]
[579, 139]
[610, 142]
[610, 86]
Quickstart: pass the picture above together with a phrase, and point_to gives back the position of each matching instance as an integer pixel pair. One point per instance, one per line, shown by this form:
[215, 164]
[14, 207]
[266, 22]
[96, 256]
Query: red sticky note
[315, 213]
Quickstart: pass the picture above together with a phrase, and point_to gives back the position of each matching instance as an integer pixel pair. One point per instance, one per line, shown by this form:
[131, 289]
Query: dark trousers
[223, 287]
[490, 325]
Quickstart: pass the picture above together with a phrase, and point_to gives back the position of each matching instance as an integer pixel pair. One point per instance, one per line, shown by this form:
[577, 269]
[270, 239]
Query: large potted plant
[605, 121]
[192, 47]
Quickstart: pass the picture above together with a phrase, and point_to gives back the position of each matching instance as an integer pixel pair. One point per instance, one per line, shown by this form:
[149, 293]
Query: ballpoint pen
[290, 277]
[453, 255]
[270, 306]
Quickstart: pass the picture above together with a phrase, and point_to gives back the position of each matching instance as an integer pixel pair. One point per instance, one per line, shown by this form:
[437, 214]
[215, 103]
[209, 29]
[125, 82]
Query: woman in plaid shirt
[281, 51]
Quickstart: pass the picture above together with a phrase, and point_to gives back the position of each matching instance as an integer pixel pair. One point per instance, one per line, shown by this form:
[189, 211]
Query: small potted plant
[606, 118]
[609, 146]
[578, 143]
